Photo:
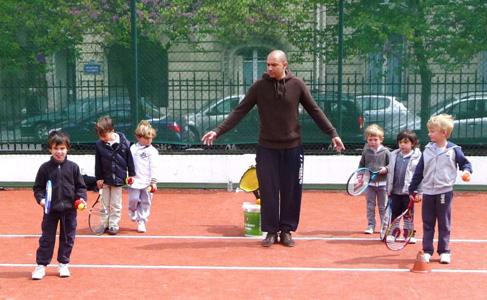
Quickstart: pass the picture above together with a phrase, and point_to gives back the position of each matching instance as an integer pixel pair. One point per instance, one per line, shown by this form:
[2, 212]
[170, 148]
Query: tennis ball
[466, 176]
[81, 206]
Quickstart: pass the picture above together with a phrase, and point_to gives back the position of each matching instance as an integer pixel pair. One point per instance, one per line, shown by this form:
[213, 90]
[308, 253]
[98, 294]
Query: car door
[470, 119]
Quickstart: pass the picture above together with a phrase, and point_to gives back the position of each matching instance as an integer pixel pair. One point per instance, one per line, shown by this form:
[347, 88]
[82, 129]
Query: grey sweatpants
[375, 195]
[139, 203]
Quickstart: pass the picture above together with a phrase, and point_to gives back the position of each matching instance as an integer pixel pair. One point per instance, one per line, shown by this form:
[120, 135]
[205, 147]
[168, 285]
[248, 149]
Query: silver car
[470, 113]
[387, 112]
[212, 114]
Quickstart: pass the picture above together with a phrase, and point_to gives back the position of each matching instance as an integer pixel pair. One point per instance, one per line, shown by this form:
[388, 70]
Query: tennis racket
[96, 216]
[47, 205]
[401, 229]
[387, 219]
[250, 183]
[359, 181]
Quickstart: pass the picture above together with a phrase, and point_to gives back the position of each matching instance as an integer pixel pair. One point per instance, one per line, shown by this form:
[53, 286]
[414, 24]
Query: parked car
[79, 119]
[246, 132]
[387, 112]
[470, 113]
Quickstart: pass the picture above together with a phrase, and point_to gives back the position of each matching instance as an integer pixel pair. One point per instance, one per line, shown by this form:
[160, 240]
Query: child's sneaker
[390, 239]
[64, 270]
[445, 258]
[141, 227]
[39, 272]
[369, 230]
[427, 257]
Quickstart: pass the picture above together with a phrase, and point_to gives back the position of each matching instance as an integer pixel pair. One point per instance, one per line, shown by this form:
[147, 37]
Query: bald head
[278, 55]
[277, 64]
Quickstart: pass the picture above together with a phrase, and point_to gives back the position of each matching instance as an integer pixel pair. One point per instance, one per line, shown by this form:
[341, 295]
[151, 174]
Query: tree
[33, 30]
[445, 33]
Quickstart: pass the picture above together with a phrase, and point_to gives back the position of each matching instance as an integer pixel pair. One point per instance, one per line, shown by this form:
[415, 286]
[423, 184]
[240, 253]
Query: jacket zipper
[60, 184]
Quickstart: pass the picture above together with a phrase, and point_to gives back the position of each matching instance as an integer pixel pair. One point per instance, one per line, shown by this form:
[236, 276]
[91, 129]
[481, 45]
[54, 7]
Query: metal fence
[197, 105]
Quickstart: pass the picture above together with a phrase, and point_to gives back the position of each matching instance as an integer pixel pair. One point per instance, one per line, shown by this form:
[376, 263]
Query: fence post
[134, 103]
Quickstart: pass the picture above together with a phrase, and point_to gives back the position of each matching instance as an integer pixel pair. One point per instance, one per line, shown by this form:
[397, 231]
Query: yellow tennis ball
[81, 206]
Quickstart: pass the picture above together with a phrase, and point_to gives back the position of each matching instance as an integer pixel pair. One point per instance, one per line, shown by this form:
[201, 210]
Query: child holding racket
[376, 158]
[145, 161]
[437, 172]
[112, 162]
[67, 187]
[403, 162]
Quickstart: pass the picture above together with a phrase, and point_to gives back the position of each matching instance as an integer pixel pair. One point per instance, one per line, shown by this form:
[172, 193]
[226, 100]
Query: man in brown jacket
[280, 152]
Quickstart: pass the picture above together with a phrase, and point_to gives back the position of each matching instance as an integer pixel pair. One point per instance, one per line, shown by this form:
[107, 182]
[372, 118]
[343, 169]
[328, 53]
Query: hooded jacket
[374, 160]
[437, 172]
[278, 103]
[413, 162]
[67, 184]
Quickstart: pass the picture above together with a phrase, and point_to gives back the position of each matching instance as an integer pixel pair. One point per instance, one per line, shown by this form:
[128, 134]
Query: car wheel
[193, 136]
[42, 131]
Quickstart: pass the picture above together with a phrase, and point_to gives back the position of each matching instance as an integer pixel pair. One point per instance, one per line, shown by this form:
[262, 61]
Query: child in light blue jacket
[437, 172]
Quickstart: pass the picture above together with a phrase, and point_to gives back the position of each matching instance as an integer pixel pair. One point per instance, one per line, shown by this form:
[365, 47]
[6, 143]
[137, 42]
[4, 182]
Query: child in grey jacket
[403, 162]
[375, 157]
[437, 172]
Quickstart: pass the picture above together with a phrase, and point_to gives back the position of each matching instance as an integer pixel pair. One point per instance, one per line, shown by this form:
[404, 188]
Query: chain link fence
[189, 87]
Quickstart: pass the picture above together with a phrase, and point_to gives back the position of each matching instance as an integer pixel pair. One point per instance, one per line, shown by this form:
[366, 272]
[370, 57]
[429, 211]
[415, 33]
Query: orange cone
[420, 265]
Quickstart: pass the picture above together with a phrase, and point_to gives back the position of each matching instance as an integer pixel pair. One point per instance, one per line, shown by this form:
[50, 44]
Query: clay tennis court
[195, 249]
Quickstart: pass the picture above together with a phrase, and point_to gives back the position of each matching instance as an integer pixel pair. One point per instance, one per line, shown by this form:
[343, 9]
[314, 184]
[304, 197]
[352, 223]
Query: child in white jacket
[145, 161]
[402, 164]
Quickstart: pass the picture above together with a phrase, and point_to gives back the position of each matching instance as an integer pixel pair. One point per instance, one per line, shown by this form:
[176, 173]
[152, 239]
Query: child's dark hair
[407, 134]
[58, 138]
[104, 125]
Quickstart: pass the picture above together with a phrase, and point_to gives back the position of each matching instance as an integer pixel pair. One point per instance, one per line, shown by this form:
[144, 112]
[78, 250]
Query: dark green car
[246, 132]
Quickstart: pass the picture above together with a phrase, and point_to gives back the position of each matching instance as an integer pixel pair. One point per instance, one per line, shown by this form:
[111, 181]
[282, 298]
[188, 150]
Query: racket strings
[358, 182]
[399, 232]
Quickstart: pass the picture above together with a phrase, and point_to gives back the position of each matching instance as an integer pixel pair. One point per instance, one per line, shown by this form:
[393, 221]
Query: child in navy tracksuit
[112, 162]
[437, 171]
[67, 187]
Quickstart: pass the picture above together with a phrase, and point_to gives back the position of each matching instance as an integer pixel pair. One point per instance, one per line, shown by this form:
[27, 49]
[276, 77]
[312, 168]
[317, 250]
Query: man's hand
[208, 138]
[338, 144]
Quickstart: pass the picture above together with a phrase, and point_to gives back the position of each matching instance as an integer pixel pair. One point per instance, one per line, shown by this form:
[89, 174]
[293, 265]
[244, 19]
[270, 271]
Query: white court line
[248, 268]
[209, 237]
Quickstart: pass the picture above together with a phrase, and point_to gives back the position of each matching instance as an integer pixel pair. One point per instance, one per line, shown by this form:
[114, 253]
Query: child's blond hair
[145, 130]
[374, 130]
[443, 122]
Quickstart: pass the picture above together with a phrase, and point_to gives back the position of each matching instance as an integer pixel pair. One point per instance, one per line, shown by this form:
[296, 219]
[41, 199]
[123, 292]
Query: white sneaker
[39, 272]
[132, 216]
[412, 240]
[141, 226]
[63, 270]
[390, 239]
[427, 257]
[369, 230]
[445, 258]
